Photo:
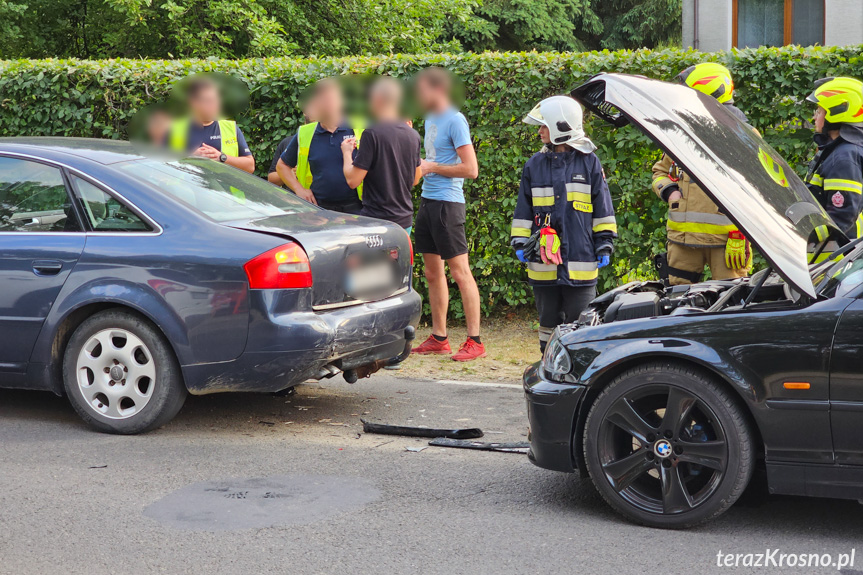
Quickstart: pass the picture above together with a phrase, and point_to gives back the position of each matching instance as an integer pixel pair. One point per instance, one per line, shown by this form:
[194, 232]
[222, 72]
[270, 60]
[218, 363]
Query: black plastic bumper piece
[551, 410]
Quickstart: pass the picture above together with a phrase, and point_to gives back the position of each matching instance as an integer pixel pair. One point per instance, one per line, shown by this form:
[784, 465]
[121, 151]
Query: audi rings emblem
[374, 241]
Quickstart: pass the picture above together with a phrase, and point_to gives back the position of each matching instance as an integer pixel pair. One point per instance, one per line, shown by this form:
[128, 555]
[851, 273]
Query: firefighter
[699, 233]
[835, 175]
[563, 227]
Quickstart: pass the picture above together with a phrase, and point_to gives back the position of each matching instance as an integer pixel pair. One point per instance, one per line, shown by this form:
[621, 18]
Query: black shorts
[439, 229]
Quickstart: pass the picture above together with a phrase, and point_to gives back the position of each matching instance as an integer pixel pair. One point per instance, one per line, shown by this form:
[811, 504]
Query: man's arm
[288, 176]
[274, 177]
[354, 176]
[468, 168]
[245, 163]
[419, 175]
[664, 186]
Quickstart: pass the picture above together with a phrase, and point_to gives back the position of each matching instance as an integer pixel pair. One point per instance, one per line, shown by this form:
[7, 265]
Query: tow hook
[410, 334]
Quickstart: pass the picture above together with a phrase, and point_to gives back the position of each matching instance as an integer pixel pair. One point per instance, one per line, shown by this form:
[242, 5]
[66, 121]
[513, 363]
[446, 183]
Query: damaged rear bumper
[286, 349]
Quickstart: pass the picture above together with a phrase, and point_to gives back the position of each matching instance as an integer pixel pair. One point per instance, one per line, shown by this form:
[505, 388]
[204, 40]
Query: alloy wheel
[116, 373]
[662, 449]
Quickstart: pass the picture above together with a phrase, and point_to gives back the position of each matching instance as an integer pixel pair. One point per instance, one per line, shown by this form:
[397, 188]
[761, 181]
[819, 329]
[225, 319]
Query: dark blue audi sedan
[128, 281]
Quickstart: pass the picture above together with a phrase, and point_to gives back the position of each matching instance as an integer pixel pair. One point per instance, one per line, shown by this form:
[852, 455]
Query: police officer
[204, 134]
[698, 232]
[563, 205]
[835, 175]
[311, 166]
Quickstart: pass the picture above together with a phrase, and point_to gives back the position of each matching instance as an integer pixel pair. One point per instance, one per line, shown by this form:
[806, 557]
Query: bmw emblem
[662, 448]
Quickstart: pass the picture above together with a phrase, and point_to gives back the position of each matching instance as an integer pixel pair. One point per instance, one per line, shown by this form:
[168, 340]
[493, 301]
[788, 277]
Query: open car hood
[746, 178]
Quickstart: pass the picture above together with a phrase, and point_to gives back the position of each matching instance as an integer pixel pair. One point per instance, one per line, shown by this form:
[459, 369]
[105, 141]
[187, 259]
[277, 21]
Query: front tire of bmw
[121, 375]
[667, 446]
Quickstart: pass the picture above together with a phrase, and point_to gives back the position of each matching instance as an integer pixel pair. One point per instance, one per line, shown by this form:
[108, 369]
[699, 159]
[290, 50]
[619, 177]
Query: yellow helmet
[711, 78]
[841, 98]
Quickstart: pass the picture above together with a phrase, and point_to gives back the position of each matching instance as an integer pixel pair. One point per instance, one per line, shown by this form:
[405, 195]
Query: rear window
[219, 191]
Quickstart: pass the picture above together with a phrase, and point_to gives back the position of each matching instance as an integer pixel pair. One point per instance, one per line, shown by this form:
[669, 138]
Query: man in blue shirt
[440, 223]
[322, 160]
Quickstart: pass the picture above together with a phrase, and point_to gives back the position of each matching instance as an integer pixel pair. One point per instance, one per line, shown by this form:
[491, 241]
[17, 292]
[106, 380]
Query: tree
[570, 25]
[224, 28]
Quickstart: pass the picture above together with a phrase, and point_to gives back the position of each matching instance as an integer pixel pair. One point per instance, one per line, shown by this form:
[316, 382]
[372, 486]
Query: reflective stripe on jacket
[178, 138]
[694, 219]
[836, 180]
[569, 188]
[304, 142]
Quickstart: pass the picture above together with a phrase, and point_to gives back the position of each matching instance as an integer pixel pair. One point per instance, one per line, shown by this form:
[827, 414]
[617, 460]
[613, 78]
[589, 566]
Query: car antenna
[757, 287]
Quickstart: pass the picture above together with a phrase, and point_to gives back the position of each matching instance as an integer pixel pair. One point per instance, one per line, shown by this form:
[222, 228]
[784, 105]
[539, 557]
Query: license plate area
[371, 276]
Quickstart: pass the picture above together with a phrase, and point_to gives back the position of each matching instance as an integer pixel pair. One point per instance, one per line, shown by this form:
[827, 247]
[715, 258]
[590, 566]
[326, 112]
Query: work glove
[602, 261]
[520, 255]
[738, 252]
[549, 247]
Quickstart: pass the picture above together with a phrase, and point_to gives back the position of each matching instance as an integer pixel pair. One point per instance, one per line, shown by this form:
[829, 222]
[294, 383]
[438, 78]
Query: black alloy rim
[662, 449]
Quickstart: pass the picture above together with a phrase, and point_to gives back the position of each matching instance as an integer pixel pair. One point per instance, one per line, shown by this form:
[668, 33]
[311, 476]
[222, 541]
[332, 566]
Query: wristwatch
[223, 158]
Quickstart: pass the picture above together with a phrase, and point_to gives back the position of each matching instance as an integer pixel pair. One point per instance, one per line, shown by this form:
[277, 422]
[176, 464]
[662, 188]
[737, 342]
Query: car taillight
[283, 267]
[411, 244]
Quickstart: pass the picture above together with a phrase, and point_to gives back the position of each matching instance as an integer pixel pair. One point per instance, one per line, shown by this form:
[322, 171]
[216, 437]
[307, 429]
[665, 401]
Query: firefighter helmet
[841, 98]
[711, 78]
[563, 117]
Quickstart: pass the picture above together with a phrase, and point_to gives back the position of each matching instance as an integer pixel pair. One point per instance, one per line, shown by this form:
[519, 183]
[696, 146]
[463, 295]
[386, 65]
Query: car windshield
[219, 191]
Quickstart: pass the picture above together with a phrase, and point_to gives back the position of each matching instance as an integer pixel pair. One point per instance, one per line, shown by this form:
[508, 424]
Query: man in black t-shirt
[387, 161]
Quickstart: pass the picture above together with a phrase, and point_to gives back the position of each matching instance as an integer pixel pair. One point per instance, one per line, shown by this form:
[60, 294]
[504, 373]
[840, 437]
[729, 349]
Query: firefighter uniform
[835, 178]
[699, 233]
[567, 192]
[835, 175]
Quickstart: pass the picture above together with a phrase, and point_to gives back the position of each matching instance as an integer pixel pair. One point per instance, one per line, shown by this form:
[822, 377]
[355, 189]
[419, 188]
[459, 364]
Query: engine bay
[643, 299]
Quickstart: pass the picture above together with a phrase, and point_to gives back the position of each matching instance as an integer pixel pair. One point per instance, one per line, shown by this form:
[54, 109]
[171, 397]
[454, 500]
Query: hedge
[98, 98]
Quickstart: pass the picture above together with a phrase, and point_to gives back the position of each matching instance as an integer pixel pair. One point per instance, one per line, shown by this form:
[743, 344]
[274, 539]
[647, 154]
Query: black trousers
[557, 304]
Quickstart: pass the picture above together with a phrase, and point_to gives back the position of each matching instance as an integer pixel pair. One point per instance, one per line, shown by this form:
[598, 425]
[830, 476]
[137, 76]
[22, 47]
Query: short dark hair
[436, 77]
[198, 85]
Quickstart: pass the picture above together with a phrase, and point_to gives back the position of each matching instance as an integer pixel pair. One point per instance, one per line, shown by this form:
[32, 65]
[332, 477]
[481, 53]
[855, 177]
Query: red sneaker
[469, 351]
[431, 346]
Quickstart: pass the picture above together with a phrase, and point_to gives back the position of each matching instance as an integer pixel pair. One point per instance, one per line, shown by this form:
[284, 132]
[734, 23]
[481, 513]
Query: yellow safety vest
[179, 136]
[304, 139]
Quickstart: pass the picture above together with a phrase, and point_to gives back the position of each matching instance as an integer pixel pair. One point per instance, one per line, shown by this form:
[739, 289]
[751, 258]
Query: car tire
[121, 375]
[667, 446]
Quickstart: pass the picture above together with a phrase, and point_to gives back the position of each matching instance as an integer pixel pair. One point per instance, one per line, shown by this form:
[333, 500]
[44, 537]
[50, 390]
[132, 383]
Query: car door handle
[47, 267]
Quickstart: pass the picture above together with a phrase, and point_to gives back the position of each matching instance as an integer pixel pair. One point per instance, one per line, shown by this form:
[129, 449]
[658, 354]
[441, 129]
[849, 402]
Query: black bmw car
[669, 398]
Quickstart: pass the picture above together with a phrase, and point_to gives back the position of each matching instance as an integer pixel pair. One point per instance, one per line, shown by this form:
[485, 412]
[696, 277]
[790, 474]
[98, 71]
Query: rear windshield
[219, 191]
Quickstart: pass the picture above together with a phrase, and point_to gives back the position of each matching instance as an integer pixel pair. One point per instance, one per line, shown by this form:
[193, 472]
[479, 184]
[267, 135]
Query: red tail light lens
[283, 267]
[411, 244]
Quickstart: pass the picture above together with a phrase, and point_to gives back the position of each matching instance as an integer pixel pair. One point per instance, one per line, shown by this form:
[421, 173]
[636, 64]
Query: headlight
[556, 361]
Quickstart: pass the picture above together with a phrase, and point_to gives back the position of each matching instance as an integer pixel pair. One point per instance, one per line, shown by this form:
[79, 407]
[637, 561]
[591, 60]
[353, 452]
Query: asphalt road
[194, 496]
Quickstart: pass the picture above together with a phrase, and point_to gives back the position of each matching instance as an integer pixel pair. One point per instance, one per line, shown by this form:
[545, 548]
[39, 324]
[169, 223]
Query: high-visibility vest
[304, 140]
[179, 136]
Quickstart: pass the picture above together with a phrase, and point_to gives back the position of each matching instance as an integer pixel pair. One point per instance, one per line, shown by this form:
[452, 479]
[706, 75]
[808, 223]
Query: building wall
[843, 22]
[714, 24]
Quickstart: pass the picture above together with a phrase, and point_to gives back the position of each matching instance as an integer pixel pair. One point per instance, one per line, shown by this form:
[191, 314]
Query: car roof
[102, 151]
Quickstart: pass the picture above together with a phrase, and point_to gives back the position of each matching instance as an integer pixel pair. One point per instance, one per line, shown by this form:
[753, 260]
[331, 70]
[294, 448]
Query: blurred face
[157, 127]
[328, 104]
[206, 105]
[543, 135]
[427, 95]
[819, 118]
